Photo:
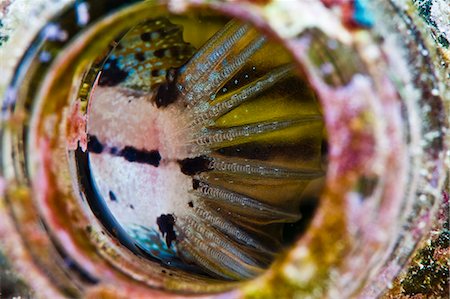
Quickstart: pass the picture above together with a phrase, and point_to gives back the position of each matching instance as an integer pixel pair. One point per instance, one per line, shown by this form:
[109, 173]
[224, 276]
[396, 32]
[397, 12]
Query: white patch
[142, 192]
[440, 11]
[54, 32]
[82, 13]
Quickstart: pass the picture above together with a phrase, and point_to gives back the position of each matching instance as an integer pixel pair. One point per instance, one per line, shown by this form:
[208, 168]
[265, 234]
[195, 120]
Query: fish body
[202, 157]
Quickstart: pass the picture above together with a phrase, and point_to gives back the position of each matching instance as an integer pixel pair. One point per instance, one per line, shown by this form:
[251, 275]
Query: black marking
[195, 184]
[132, 207]
[165, 223]
[141, 156]
[154, 35]
[114, 150]
[174, 51]
[139, 56]
[191, 204]
[112, 196]
[112, 74]
[167, 92]
[191, 166]
[155, 73]
[94, 145]
[146, 36]
[159, 33]
[160, 52]
[129, 153]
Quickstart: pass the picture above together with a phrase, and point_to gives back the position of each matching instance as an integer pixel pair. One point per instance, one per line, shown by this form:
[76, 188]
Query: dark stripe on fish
[129, 153]
[191, 166]
[141, 156]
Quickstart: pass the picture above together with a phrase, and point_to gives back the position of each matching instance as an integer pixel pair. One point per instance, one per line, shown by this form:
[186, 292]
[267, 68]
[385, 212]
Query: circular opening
[212, 153]
[205, 149]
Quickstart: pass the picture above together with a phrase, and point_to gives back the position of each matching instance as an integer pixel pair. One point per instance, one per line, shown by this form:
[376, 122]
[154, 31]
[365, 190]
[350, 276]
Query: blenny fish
[203, 155]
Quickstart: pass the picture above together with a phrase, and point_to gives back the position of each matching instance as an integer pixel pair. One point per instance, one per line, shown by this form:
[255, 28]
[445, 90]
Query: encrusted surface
[427, 271]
